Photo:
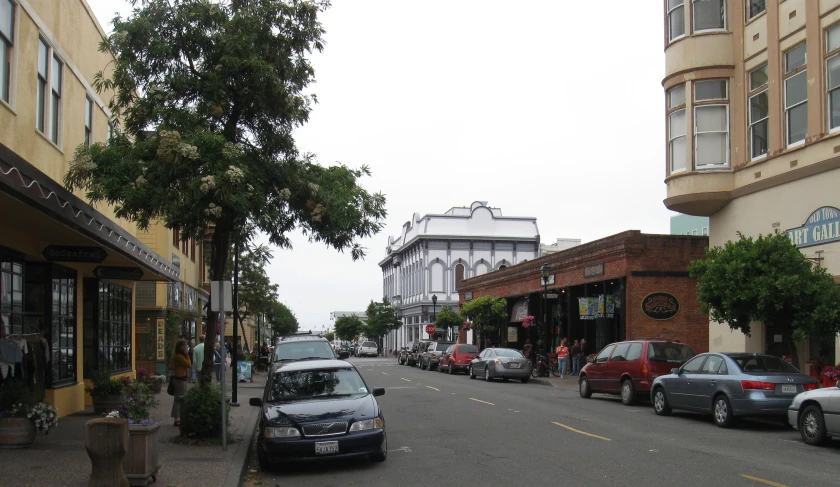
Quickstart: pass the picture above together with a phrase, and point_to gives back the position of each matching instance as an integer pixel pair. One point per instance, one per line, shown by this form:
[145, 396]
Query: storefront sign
[823, 226]
[513, 334]
[468, 296]
[123, 273]
[593, 270]
[660, 306]
[519, 311]
[74, 253]
[161, 345]
[552, 296]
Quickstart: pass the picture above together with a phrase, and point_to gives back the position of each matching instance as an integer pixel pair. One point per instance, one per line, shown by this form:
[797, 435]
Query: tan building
[68, 272]
[753, 118]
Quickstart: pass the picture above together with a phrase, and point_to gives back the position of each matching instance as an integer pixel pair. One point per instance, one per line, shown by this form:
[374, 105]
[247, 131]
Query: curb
[243, 452]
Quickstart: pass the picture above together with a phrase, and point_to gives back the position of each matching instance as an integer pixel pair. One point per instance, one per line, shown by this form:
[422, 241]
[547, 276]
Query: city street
[457, 431]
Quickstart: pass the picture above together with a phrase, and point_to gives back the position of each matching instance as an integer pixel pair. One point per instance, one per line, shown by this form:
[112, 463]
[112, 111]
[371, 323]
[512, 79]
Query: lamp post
[434, 309]
[544, 271]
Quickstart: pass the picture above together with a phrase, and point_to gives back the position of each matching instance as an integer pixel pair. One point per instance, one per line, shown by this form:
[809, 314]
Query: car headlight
[281, 433]
[367, 424]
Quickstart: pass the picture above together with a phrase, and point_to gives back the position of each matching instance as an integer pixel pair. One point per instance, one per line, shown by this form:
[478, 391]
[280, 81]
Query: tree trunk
[218, 260]
[787, 341]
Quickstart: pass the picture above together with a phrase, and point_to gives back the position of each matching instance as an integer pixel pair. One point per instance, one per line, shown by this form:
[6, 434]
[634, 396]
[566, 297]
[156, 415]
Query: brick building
[625, 286]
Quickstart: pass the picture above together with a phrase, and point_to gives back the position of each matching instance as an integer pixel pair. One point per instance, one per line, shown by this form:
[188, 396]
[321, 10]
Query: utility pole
[235, 353]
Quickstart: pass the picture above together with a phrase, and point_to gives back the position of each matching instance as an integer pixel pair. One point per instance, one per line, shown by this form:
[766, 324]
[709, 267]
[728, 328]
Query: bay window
[796, 96]
[711, 124]
[758, 112]
[677, 156]
[676, 19]
[709, 14]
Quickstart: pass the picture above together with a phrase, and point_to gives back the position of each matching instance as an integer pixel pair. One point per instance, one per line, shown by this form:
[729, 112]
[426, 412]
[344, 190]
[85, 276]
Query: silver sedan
[506, 363]
[816, 414]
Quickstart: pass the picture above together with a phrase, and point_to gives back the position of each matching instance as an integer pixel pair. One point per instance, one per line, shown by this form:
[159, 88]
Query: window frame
[88, 121]
[7, 44]
[754, 92]
[56, 95]
[49, 109]
[696, 133]
[64, 283]
[747, 15]
[831, 54]
[799, 72]
[43, 86]
[670, 112]
[668, 13]
[113, 328]
[694, 28]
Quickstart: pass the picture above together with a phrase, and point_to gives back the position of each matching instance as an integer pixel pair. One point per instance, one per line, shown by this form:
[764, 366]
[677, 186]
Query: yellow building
[752, 103]
[69, 273]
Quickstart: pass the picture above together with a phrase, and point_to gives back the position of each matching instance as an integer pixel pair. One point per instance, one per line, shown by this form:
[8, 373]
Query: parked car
[311, 347]
[816, 414]
[457, 357]
[430, 358]
[368, 349]
[629, 368]
[506, 363]
[730, 385]
[409, 354]
[318, 410]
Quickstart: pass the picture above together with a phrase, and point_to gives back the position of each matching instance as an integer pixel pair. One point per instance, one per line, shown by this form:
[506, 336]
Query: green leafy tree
[485, 313]
[381, 319]
[330, 336]
[767, 279]
[209, 95]
[347, 327]
[448, 318]
[282, 320]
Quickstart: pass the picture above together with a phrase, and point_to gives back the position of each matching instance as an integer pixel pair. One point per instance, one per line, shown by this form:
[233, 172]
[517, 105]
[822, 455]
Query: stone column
[106, 442]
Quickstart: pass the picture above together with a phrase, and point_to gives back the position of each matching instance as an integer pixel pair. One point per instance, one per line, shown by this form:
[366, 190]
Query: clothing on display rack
[25, 357]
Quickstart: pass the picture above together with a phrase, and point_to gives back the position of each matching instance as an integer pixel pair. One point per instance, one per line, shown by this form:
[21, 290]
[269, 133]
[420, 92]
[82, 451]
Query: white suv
[367, 348]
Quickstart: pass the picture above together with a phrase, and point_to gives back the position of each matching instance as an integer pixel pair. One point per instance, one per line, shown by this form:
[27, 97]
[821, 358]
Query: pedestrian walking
[562, 356]
[217, 361]
[181, 366]
[192, 361]
[198, 355]
[576, 356]
[528, 350]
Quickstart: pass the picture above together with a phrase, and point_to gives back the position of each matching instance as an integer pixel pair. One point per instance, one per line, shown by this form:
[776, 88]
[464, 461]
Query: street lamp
[544, 271]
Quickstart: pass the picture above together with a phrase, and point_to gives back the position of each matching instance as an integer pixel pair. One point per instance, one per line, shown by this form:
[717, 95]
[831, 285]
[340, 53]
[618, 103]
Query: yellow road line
[581, 432]
[386, 373]
[479, 400]
[763, 481]
[403, 378]
[433, 388]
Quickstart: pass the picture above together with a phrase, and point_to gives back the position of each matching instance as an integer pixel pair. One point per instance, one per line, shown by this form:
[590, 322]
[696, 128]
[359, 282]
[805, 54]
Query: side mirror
[378, 391]
[344, 355]
[675, 371]
[591, 360]
[838, 383]
[255, 401]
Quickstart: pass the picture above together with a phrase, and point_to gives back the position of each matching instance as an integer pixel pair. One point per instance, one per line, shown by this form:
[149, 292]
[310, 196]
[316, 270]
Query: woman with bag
[181, 366]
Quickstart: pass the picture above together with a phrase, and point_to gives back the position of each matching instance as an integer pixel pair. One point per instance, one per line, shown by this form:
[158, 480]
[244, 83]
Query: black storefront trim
[659, 274]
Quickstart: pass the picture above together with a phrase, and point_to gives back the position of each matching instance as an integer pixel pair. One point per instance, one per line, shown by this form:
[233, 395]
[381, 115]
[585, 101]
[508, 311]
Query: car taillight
[811, 386]
[757, 385]
[645, 370]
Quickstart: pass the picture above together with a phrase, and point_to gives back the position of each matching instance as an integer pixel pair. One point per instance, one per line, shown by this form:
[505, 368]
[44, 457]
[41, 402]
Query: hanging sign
[74, 253]
[519, 311]
[122, 273]
[823, 226]
[660, 306]
[159, 339]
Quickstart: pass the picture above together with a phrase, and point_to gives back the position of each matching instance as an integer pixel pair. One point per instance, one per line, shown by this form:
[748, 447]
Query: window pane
[676, 23]
[5, 69]
[674, 3]
[795, 58]
[834, 108]
[676, 96]
[7, 19]
[56, 75]
[711, 118]
[758, 107]
[88, 112]
[710, 90]
[756, 7]
[833, 68]
[42, 105]
[678, 154]
[797, 119]
[54, 119]
[758, 77]
[711, 149]
[42, 58]
[833, 38]
[759, 138]
[796, 89]
[708, 14]
[676, 124]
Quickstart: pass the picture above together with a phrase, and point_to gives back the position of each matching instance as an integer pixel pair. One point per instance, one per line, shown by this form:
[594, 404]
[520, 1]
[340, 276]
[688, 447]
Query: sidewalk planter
[141, 461]
[155, 386]
[104, 404]
[16, 432]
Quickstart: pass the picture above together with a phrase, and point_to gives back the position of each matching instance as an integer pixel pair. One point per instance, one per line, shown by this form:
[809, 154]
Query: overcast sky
[552, 109]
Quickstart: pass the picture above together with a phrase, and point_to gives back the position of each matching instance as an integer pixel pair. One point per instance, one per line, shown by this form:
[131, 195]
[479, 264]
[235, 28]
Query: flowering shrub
[467, 325]
[138, 405]
[528, 321]
[42, 414]
[142, 374]
[160, 379]
[831, 373]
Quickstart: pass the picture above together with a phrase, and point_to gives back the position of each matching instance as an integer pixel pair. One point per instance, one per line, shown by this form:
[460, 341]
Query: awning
[519, 311]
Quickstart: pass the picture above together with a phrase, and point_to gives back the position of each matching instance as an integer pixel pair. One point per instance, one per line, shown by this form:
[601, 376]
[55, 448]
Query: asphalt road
[453, 431]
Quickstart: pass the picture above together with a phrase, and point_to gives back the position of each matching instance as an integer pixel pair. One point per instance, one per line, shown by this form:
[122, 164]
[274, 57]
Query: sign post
[220, 295]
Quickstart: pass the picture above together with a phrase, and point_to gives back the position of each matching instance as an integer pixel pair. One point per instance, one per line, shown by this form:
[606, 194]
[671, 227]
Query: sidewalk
[569, 382]
[60, 459]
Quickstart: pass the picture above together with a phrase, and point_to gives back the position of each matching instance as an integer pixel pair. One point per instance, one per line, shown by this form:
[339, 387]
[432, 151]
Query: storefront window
[11, 292]
[63, 326]
[113, 330]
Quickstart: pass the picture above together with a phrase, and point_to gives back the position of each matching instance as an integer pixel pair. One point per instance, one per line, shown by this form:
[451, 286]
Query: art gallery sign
[823, 226]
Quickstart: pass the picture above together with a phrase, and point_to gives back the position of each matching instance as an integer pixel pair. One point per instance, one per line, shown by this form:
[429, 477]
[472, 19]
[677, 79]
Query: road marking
[385, 373]
[434, 388]
[403, 378]
[402, 448]
[763, 481]
[479, 400]
[581, 432]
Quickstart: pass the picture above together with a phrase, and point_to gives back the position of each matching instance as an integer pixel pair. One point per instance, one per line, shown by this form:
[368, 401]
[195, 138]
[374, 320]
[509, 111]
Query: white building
[560, 244]
[435, 252]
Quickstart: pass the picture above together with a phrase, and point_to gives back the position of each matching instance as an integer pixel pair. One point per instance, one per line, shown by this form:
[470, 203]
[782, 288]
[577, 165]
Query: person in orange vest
[562, 356]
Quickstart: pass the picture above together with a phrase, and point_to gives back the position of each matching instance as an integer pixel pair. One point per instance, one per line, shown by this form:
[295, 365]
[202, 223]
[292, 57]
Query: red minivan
[628, 368]
[457, 357]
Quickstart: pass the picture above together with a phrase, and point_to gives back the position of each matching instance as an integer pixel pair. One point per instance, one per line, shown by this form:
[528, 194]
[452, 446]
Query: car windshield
[369, 344]
[300, 350]
[669, 352]
[468, 349]
[507, 352]
[441, 347]
[758, 364]
[306, 384]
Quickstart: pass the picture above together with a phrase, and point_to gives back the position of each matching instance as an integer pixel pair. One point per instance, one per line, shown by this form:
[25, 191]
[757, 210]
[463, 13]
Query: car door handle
[712, 383]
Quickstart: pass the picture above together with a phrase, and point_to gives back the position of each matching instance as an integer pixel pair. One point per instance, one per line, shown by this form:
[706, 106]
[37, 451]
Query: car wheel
[525, 379]
[262, 457]
[487, 374]
[812, 426]
[382, 454]
[449, 369]
[660, 402]
[472, 374]
[585, 391]
[722, 412]
[628, 392]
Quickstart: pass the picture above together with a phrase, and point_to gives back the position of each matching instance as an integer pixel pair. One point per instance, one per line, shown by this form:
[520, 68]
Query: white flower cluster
[84, 161]
[207, 183]
[235, 174]
[231, 150]
[140, 180]
[188, 151]
[285, 193]
[113, 414]
[318, 212]
[170, 143]
[314, 188]
[213, 210]
[44, 416]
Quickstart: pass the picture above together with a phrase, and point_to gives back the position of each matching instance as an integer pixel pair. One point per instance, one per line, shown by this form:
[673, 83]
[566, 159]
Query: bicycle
[544, 364]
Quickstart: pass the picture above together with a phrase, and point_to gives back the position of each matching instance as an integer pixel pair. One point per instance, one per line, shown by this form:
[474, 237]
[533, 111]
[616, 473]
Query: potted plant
[155, 383]
[141, 459]
[107, 392]
[830, 376]
[19, 424]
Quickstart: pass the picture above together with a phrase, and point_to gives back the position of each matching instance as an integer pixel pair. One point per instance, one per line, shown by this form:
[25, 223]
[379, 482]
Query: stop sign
[430, 328]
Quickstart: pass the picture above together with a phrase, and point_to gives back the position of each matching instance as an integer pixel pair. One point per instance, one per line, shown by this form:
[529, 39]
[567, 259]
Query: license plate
[514, 366]
[326, 447]
[788, 389]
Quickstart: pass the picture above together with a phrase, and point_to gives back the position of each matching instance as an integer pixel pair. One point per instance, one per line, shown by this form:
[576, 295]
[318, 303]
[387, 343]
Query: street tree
[348, 327]
[256, 292]
[281, 319]
[768, 280]
[448, 318]
[208, 95]
[485, 312]
[330, 336]
[381, 319]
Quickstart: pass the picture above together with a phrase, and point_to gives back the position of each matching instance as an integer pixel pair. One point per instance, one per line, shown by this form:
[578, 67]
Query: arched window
[502, 267]
[481, 269]
[437, 277]
[459, 275]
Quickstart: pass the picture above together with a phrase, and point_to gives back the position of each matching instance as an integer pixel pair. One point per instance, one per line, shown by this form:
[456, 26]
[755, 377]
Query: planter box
[104, 404]
[141, 460]
[16, 433]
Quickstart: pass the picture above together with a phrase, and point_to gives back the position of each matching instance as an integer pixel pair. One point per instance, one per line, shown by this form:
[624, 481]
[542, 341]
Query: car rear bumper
[501, 371]
[757, 404]
[349, 445]
[459, 366]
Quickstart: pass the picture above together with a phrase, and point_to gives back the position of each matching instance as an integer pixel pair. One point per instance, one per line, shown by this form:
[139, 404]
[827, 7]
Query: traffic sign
[430, 329]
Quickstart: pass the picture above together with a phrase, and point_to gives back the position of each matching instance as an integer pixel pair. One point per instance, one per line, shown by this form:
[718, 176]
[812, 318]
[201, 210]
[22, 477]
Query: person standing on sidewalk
[181, 365]
[217, 361]
[576, 356]
[198, 355]
[192, 361]
[562, 356]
